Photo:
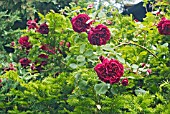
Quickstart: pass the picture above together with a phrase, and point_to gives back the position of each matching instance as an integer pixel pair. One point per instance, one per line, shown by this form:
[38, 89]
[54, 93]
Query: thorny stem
[133, 43]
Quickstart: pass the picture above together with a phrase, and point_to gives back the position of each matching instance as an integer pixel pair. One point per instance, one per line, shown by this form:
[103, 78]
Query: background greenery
[68, 83]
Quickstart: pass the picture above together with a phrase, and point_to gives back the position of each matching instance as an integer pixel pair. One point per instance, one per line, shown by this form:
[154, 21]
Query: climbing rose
[79, 23]
[23, 41]
[43, 29]
[24, 62]
[32, 24]
[164, 26]
[109, 71]
[99, 35]
[125, 82]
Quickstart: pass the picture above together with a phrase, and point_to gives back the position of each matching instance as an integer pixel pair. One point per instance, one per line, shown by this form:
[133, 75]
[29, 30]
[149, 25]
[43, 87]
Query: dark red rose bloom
[32, 24]
[43, 29]
[109, 71]
[125, 82]
[99, 35]
[0, 80]
[164, 26]
[43, 56]
[24, 62]
[23, 41]
[79, 23]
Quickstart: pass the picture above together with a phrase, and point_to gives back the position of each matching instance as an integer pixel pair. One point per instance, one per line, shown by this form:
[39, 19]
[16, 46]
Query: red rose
[79, 23]
[24, 62]
[43, 56]
[99, 35]
[164, 26]
[43, 29]
[23, 41]
[125, 82]
[109, 71]
[32, 24]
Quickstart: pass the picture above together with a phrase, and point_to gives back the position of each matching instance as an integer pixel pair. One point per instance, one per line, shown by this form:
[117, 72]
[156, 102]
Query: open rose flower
[23, 41]
[109, 71]
[164, 26]
[99, 35]
[43, 29]
[24, 62]
[79, 23]
[32, 24]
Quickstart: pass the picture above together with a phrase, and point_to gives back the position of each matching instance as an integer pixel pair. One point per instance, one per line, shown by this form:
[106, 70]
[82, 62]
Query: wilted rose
[24, 62]
[109, 71]
[164, 26]
[99, 35]
[43, 29]
[79, 23]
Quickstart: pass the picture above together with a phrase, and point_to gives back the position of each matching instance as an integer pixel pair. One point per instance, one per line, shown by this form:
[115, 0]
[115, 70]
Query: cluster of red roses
[110, 71]
[43, 28]
[98, 35]
[164, 26]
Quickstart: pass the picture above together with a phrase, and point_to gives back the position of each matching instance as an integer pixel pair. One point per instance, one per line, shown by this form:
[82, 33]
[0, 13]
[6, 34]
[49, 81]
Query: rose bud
[13, 44]
[90, 6]
[68, 44]
[149, 71]
[125, 82]
[143, 64]
[108, 22]
[164, 26]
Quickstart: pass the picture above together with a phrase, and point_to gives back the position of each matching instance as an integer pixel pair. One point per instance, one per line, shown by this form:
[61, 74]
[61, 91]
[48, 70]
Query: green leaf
[143, 53]
[101, 88]
[88, 53]
[122, 60]
[139, 91]
[80, 58]
[73, 65]
[82, 48]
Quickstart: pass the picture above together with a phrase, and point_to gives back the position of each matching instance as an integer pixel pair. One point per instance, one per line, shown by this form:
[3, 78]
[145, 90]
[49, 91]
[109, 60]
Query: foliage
[67, 83]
